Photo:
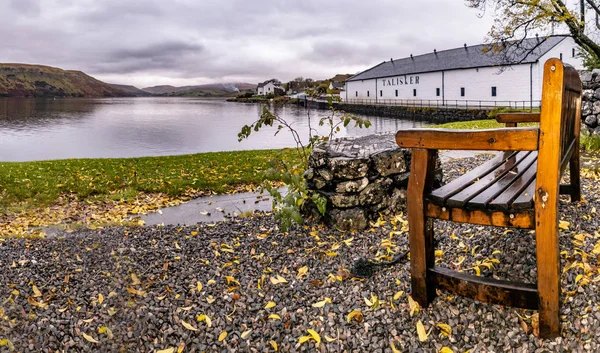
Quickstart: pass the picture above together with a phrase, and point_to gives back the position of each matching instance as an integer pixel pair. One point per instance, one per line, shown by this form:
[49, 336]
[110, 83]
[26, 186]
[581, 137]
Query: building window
[269, 88]
[380, 93]
[414, 92]
[573, 52]
[437, 92]
[493, 91]
[561, 56]
[462, 91]
[367, 93]
[396, 93]
[356, 93]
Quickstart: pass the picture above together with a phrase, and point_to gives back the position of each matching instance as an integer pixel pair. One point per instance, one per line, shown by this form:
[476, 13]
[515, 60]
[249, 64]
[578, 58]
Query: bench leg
[420, 228]
[548, 263]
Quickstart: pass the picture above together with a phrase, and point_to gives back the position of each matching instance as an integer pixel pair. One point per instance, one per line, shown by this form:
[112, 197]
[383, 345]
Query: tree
[516, 20]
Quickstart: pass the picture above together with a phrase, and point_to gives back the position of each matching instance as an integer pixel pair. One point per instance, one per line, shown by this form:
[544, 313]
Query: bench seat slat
[460, 199]
[504, 183]
[440, 195]
[525, 199]
[504, 201]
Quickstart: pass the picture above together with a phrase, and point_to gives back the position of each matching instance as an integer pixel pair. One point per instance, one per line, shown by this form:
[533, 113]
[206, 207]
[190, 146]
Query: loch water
[41, 129]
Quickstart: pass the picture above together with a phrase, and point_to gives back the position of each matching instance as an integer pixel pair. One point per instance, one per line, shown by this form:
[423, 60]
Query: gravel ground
[151, 288]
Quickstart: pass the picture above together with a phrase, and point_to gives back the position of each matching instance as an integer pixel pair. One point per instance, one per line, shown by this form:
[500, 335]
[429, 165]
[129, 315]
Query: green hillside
[21, 80]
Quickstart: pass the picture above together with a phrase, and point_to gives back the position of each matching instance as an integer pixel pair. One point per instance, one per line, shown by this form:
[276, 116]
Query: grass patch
[29, 185]
[477, 125]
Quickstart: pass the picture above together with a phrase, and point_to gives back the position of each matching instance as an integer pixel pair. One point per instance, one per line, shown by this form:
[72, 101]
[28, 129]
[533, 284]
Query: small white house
[468, 75]
[267, 87]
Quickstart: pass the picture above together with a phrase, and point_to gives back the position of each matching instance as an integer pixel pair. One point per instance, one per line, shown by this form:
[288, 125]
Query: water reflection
[35, 129]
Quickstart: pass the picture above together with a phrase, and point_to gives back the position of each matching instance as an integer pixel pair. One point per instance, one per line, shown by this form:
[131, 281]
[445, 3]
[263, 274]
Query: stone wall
[590, 105]
[360, 178]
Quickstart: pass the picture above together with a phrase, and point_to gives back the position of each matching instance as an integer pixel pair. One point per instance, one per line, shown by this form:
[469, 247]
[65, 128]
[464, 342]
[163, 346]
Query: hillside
[208, 90]
[131, 90]
[21, 80]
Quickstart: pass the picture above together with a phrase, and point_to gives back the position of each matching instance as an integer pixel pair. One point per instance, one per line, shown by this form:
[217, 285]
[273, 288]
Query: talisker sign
[402, 80]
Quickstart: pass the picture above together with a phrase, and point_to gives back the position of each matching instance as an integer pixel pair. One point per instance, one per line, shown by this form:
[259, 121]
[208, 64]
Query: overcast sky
[185, 42]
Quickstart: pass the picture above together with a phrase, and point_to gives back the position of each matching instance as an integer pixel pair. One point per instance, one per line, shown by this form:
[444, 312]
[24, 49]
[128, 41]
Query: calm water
[36, 129]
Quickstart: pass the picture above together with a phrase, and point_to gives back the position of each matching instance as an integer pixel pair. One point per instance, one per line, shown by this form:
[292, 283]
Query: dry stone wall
[360, 178]
[590, 105]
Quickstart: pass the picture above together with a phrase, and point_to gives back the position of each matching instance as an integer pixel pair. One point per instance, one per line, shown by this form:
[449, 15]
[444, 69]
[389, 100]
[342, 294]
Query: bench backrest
[560, 114]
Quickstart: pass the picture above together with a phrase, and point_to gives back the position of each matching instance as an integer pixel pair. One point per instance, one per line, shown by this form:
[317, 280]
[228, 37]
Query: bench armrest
[506, 139]
[518, 118]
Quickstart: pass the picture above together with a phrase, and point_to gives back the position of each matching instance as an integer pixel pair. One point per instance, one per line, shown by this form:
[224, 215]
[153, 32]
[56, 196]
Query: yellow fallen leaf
[398, 294]
[304, 339]
[439, 253]
[198, 286]
[135, 280]
[211, 281]
[329, 339]
[270, 305]
[322, 303]
[274, 345]
[563, 225]
[302, 271]
[222, 336]
[89, 338]
[106, 331]
[314, 335]
[168, 350]
[446, 329]
[357, 315]
[100, 298]
[281, 279]
[274, 317]
[394, 349]
[36, 291]
[181, 347]
[188, 326]
[446, 350]
[421, 331]
[245, 334]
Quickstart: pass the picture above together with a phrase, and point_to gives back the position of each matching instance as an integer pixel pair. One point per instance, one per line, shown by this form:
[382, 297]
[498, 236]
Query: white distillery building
[470, 75]
[267, 87]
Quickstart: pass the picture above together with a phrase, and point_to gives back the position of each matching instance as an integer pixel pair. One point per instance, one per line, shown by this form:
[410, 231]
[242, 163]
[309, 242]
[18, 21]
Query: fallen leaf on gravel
[89, 338]
[563, 225]
[100, 298]
[134, 279]
[222, 336]
[36, 291]
[439, 253]
[373, 302]
[107, 331]
[535, 323]
[245, 334]
[394, 349]
[211, 281]
[274, 317]
[198, 286]
[274, 345]
[270, 305]
[421, 331]
[210, 299]
[302, 271]
[412, 305]
[446, 329]
[168, 350]
[446, 350]
[329, 339]
[181, 347]
[39, 304]
[524, 325]
[112, 311]
[398, 294]
[357, 315]
[139, 292]
[314, 335]
[322, 303]
[304, 339]
[188, 326]
[231, 279]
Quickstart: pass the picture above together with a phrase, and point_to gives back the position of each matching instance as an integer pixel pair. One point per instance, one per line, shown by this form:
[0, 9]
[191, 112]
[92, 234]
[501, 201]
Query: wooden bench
[518, 188]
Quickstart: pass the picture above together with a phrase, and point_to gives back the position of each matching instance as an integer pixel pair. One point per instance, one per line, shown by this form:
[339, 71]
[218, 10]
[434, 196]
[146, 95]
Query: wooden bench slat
[485, 289]
[500, 185]
[503, 202]
[461, 198]
[525, 199]
[440, 195]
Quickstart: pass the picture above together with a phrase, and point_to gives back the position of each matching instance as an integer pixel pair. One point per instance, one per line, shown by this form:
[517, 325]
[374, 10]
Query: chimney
[465, 45]
[411, 56]
[435, 52]
[392, 60]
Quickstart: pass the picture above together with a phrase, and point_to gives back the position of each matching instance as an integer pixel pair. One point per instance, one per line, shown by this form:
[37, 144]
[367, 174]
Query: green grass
[29, 185]
[476, 125]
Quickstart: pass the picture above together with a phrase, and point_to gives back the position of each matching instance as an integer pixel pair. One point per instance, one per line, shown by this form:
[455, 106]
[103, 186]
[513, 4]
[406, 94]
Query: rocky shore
[244, 286]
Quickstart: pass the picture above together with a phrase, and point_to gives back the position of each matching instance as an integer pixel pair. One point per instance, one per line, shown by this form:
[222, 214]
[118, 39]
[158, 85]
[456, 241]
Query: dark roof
[260, 85]
[337, 84]
[462, 58]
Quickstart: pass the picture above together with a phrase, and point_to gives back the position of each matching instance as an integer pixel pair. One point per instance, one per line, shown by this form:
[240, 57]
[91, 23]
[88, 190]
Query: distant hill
[208, 90]
[131, 90]
[21, 80]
